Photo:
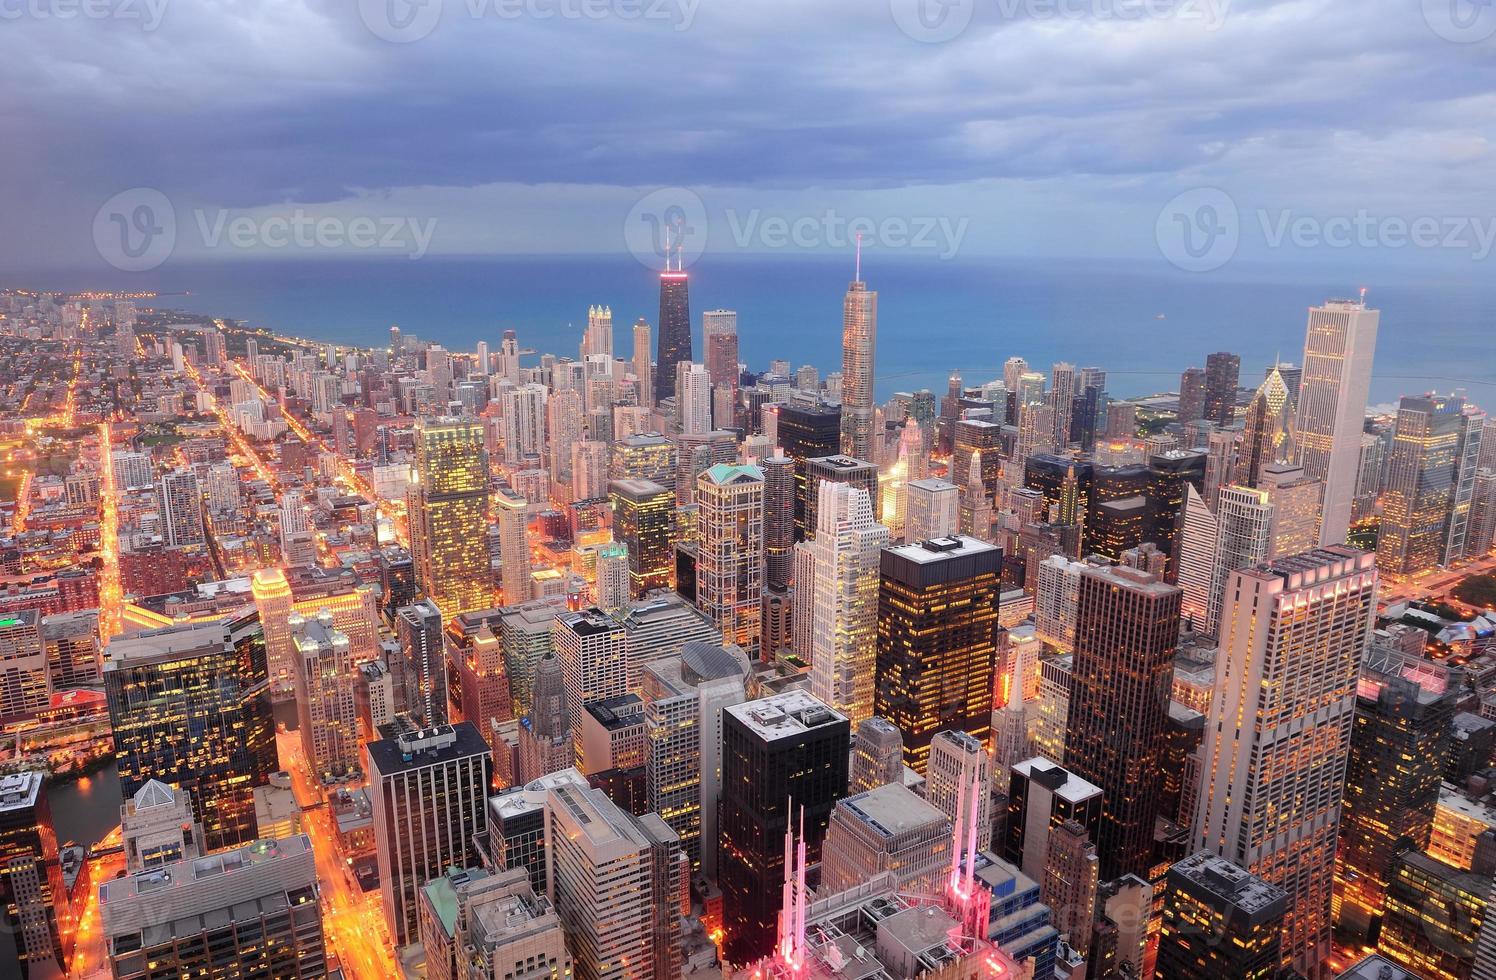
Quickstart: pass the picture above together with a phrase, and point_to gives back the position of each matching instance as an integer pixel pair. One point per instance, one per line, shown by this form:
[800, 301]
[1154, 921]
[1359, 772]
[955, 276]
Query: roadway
[1437, 583]
[111, 593]
[352, 921]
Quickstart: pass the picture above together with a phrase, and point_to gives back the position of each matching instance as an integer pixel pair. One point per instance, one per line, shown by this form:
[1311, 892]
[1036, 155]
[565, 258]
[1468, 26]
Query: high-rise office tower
[1069, 884]
[779, 520]
[1482, 533]
[297, 539]
[958, 762]
[846, 550]
[683, 702]
[975, 506]
[38, 914]
[1222, 373]
[938, 634]
[1126, 635]
[421, 674]
[1244, 520]
[803, 433]
[1042, 796]
[1062, 391]
[1219, 921]
[643, 363]
[448, 508]
[589, 470]
[477, 925]
[249, 911]
[730, 551]
[649, 456]
[326, 709]
[190, 706]
[877, 755]
[1398, 751]
[1438, 921]
[643, 514]
[545, 739]
[614, 879]
[612, 589]
[859, 342]
[675, 330]
[514, 545]
[1428, 468]
[1338, 348]
[720, 333]
[1459, 537]
[887, 829]
[593, 652]
[931, 511]
[181, 503]
[1296, 501]
[834, 469]
[784, 760]
[1191, 395]
[23, 661]
[273, 601]
[599, 336]
[1278, 733]
[430, 793]
[1267, 435]
[693, 399]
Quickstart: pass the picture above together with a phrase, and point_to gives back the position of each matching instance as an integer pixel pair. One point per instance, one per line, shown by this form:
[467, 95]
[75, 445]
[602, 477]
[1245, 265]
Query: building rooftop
[1377, 967]
[19, 791]
[426, 747]
[942, 549]
[785, 715]
[1058, 780]
[1231, 884]
[891, 809]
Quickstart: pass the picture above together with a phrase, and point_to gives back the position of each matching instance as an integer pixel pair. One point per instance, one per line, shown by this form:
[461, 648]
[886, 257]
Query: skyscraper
[1191, 395]
[545, 740]
[720, 332]
[1398, 751]
[1278, 733]
[675, 330]
[1127, 631]
[448, 508]
[615, 881]
[430, 793]
[1219, 921]
[958, 762]
[877, 755]
[730, 551]
[38, 915]
[181, 503]
[784, 759]
[190, 706]
[693, 399]
[326, 712]
[643, 364]
[514, 545]
[1243, 538]
[599, 336]
[642, 520]
[421, 673]
[683, 702]
[859, 342]
[1267, 436]
[1222, 373]
[1338, 348]
[937, 640]
[1423, 475]
[593, 652]
[845, 607]
[779, 520]
[931, 510]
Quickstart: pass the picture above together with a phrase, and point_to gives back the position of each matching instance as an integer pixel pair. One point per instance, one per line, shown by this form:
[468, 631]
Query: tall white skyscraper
[1197, 551]
[1244, 537]
[563, 414]
[957, 759]
[859, 342]
[1278, 737]
[524, 422]
[845, 606]
[643, 365]
[599, 336]
[514, 545]
[326, 706]
[1338, 349]
[593, 650]
[931, 510]
[181, 503]
[694, 399]
[730, 552]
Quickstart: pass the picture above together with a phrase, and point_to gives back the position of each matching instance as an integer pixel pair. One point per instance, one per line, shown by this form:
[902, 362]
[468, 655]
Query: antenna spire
[857, 276]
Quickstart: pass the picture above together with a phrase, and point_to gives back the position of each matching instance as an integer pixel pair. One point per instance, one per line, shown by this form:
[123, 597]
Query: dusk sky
[537, 126]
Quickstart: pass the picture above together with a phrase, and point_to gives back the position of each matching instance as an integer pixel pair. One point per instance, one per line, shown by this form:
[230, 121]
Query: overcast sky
[1038, 127]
